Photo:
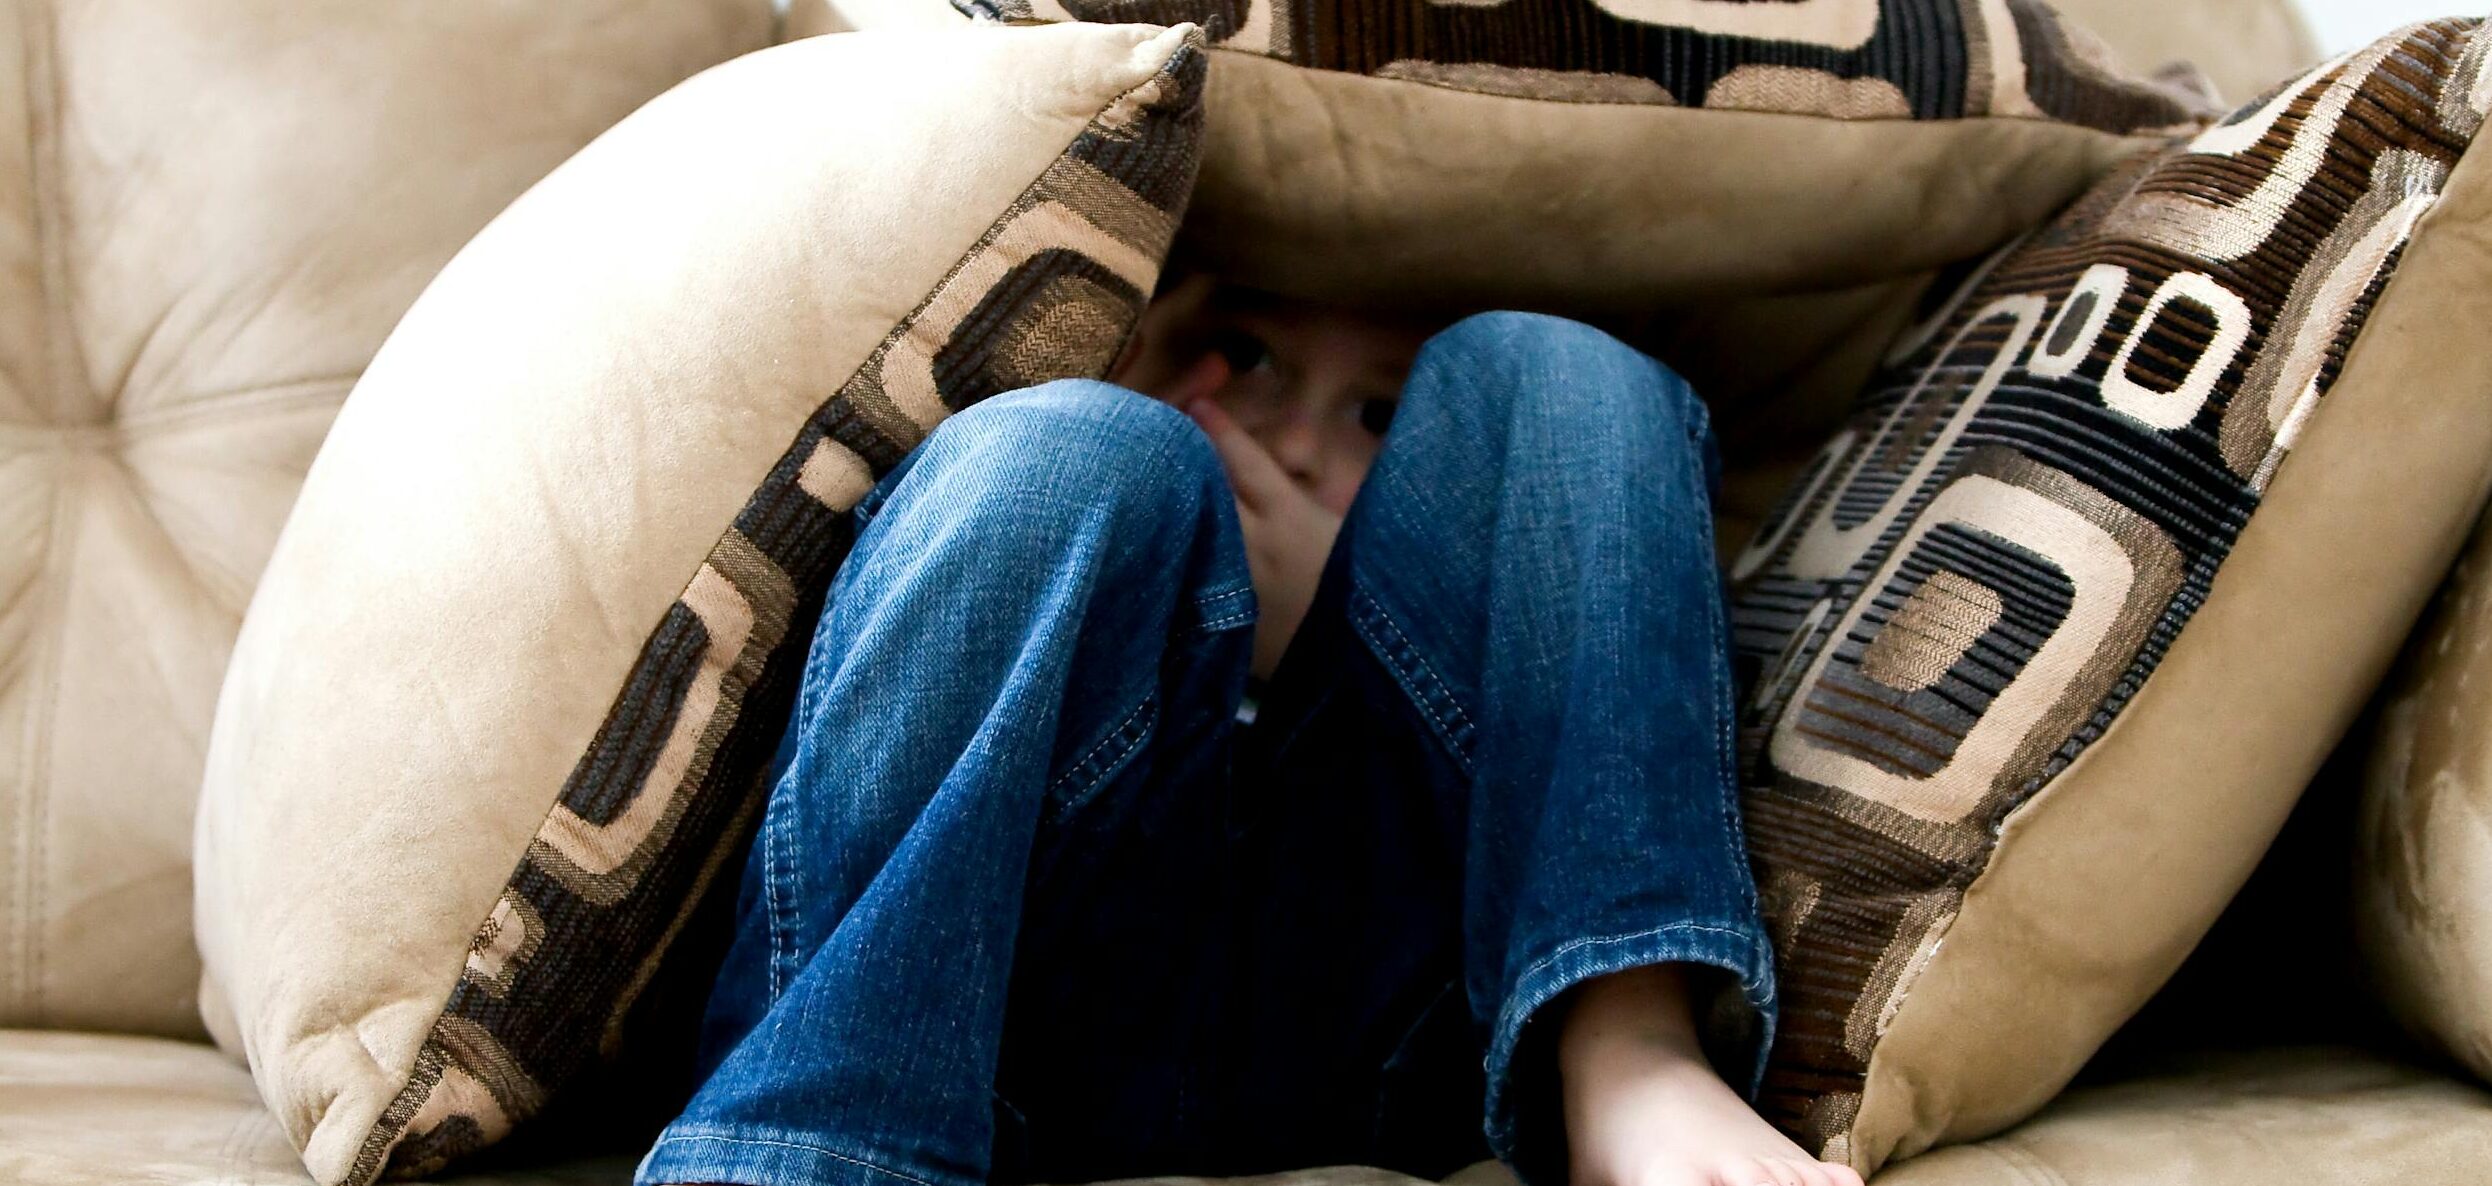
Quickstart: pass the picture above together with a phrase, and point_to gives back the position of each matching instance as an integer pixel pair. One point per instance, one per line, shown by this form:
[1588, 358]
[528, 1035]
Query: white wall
[2344, 24]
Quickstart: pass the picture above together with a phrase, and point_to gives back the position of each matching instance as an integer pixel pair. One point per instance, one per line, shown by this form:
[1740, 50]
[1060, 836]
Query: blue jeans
[1029, 902]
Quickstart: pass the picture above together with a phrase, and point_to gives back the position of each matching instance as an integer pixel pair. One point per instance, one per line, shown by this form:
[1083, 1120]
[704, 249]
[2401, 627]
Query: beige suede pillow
[498, 707]
[2241, 47]
[2046, 643]
[2423, 848]
[1603, 157]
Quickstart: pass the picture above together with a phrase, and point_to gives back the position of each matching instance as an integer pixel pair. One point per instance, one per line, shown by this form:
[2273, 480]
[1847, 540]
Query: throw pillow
[499, 706]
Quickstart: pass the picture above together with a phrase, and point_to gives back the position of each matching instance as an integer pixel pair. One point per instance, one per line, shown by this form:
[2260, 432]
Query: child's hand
[1288, 533]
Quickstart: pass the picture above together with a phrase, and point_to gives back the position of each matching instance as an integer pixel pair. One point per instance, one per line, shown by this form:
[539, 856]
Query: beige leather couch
[211, 212]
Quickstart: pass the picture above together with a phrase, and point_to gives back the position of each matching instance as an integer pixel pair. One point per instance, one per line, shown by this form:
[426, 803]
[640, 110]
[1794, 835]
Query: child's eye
[1243, 351]
[1376, 415]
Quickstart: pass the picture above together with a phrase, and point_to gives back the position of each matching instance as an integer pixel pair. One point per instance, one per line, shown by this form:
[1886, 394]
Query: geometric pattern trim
[1972, 580]
[667, 791]
[1838, 59]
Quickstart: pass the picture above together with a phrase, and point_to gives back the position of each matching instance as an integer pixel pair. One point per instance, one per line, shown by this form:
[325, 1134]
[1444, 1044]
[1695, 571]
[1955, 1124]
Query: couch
[211, 214]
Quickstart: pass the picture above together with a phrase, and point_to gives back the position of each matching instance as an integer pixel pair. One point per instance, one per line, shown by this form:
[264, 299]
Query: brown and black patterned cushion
[1599, 156]
[663, 794]
[466, 793]
[1840, 59]
[2048, 639]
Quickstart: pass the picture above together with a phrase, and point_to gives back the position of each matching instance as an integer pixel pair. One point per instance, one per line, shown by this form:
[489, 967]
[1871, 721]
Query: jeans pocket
[1099, 761]
[1009, 1159]
[1430, 1090]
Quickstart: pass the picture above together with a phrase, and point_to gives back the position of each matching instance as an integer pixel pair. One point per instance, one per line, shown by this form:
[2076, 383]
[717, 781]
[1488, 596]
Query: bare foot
[1644, 1108]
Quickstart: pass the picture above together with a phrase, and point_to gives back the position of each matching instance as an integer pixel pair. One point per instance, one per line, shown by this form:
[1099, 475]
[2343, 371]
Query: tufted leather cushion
[210, 213]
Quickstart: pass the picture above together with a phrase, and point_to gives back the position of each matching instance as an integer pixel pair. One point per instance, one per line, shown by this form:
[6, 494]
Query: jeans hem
[1741, 951]
[761, 1161]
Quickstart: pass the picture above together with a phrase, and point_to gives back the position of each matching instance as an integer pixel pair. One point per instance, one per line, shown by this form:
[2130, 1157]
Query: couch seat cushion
[113, 1110]
[2311, 1116]
[108, 1110]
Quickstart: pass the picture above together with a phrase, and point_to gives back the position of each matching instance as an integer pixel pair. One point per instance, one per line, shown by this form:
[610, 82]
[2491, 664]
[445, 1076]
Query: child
[1041, 894]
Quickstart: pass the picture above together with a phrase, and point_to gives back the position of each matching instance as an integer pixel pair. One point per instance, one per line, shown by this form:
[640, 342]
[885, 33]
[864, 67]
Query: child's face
[1314, 385]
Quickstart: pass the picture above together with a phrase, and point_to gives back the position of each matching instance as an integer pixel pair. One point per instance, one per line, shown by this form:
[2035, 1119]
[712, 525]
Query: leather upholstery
[2311, 1117]
[210, 214]
[94, 1110]
[115, 1110]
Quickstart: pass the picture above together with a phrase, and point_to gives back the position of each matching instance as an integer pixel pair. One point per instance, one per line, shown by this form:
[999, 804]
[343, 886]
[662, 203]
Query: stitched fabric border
[667, 788]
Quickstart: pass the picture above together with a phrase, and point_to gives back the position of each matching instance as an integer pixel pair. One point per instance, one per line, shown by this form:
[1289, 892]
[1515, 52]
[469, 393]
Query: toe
[1841, 1175]
[1810, 1172]
[1748, 1171]
[1761, 1171]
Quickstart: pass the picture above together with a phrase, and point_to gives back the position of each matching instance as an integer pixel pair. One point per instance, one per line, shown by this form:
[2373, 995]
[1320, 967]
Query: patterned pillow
[497, 713]
[1602, 156]
[2046, 642]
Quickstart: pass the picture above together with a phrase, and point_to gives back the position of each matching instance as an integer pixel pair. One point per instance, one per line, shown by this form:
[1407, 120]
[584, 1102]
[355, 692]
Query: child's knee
[1572, 384]
[1069, 417]
[1506, 333]
[1076, 445]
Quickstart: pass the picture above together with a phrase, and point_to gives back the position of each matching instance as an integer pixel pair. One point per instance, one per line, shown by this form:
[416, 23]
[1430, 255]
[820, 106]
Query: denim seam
[1732, 834]
[799, 1146]
[775, 904]
[1227, 621]
[1073, 787]
[1725, 705]
[1214, 609]
[1527, 998]
[1417, 678]
[1572, 945]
